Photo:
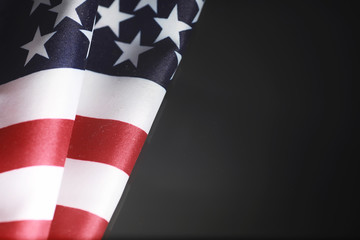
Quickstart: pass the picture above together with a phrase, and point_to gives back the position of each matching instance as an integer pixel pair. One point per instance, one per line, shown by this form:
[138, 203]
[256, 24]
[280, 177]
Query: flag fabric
[80, 84]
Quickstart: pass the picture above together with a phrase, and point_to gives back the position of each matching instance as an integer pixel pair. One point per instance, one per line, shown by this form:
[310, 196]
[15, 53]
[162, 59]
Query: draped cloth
[80, 86]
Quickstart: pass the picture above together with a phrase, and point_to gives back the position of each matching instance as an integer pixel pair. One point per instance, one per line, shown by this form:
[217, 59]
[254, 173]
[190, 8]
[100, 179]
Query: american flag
[80, 86]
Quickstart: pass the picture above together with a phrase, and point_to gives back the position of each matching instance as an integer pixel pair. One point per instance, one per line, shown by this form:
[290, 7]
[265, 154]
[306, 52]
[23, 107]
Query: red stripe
[28, 229]
[72, 223]
[38, 142]
[107, 141]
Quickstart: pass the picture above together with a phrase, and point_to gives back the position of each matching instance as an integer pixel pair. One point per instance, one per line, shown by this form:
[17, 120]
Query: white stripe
[92, 186]
[50, 93]
[128, 99]
[29, 193]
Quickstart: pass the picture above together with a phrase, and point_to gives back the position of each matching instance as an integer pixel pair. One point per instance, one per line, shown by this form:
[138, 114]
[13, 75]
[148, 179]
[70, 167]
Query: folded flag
[79, 90]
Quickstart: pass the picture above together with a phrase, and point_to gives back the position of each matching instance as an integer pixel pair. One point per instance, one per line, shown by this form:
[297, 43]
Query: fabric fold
[78, 97]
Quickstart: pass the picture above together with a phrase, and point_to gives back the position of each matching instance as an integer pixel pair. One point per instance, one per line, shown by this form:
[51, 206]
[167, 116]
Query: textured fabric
[79, 90]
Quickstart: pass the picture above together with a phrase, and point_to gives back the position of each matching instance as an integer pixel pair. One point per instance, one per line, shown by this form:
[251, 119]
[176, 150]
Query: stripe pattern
[103, 151]
[35, 134]
[74, 118]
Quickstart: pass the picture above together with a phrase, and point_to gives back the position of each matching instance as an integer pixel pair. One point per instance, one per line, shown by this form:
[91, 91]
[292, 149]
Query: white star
[37, 3]
[88, 34]
[200, 4]
[112, 17]
[171, 27]
[178, 57]
[37, 45]
[143, 3]
[131, 51]
[67, 8]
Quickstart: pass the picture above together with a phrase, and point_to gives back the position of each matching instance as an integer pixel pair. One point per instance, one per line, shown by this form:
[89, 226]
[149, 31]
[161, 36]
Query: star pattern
[131, 51]
[112, 17]
[67, 8]
[144, 3]
[145, 30]
[178, 58]
[37, 46]
[37, 3]
[88, 34]
[171, 27]
[200, 4]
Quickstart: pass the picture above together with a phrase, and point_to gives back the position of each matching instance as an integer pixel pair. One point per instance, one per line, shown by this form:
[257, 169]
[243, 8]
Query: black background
[258, 135]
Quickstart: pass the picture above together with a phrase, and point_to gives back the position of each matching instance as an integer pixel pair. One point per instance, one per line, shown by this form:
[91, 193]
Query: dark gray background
[258, 135]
